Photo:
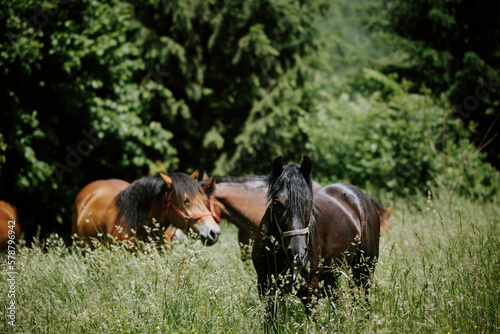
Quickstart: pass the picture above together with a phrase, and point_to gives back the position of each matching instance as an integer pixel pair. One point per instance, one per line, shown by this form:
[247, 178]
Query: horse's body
[124, 211]
[95, 211]
[343, 213]
[8, 222]
[312, 233]
[242, 201]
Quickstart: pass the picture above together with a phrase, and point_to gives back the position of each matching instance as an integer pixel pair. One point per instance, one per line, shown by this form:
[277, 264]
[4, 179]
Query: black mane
[134, 202]
[293, 183]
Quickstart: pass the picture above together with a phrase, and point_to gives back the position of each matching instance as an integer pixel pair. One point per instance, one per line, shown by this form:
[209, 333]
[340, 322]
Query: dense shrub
[404, 143]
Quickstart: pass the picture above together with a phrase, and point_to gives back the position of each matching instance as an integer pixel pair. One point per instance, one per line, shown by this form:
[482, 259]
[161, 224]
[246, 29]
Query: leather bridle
[211, 201]
[286, 234]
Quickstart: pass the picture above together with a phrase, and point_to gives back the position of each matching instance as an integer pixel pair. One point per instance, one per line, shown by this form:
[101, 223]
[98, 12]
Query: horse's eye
[187, 201]
[277, 204]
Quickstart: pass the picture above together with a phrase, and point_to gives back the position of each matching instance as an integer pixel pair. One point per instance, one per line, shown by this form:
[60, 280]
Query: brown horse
[124, 211]
[305, 235]
[208, 187]
[384, 214]
[9, 224]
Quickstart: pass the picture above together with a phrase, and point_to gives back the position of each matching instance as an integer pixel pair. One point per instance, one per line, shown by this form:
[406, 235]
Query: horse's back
[8, 221]
[349, 212]
[94, 209]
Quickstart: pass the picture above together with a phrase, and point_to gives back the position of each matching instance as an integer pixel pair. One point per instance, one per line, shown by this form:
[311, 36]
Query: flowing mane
[292, 182]
[134, 203]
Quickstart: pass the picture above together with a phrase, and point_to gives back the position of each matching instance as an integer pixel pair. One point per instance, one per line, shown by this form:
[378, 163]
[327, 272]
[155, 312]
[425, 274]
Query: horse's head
[187, 207]
[291, 206]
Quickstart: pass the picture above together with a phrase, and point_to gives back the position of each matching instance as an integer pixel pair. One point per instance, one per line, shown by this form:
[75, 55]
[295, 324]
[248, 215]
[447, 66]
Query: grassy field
[439, 272]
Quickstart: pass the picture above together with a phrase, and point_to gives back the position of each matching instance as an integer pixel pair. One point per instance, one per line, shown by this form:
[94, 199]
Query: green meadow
[438, 272]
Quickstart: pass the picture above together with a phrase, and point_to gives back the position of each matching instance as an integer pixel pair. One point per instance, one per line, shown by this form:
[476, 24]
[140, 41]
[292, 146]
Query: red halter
[212, 210]
[188, 219]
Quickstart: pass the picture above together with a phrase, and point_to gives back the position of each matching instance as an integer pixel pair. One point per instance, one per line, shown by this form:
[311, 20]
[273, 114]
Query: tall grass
[439, 272]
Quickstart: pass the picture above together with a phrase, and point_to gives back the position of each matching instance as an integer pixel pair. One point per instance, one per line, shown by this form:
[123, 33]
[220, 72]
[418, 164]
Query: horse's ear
[388, 212]
[277, 166]
[167, 179]
[209, 187]
[306, 166]
[205, 176]
[194, 175]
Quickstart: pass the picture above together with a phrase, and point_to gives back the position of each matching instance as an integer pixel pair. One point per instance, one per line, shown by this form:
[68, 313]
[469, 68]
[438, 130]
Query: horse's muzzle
[212, 237]
[297, 255]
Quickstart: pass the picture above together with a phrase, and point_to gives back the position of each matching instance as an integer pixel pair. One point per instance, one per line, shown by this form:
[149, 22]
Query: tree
[74, 107]
[240, 70]
[121, 89]
[451, 47]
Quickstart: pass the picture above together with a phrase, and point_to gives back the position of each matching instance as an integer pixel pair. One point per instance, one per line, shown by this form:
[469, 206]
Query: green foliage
[243, 66]
[78, 71]
[405, 142]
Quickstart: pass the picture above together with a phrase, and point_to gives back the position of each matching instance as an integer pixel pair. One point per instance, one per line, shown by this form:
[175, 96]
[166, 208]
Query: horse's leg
[320, 286]
[330, 286]
[268, 295]
[305, 295]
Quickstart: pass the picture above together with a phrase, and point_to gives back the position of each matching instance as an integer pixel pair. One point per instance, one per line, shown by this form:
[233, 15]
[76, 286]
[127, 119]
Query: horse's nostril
[213, 235]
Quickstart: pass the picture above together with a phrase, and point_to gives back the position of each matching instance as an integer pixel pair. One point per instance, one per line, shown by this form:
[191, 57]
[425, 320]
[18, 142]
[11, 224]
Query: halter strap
[188, 219]
[285, 234]
[211, 201]
[291, 233]
[173, 234]
[296, 232]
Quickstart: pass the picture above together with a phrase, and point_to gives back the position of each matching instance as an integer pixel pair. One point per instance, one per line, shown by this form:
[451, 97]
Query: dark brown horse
[9, 225]
[124, 211]
[305, 235]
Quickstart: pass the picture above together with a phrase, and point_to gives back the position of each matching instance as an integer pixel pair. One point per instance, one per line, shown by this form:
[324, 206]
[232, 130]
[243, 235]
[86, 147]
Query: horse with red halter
[305, 235]
[124, 211]
[209, 188]
[9, 224]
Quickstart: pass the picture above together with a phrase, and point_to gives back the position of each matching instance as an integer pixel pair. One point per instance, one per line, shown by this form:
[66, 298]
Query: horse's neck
[246, 199]
[157, 215]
